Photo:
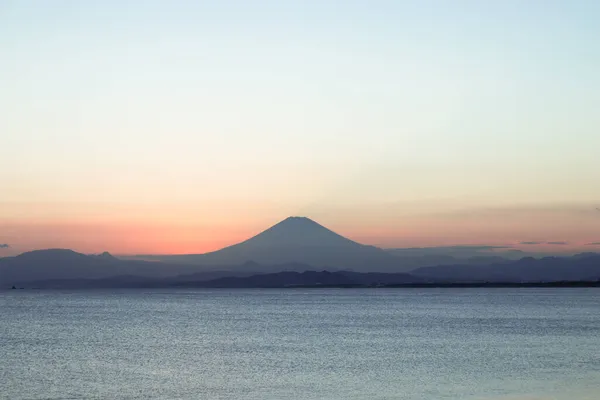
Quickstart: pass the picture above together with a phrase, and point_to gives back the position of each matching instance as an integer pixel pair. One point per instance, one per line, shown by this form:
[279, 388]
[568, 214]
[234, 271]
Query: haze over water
[431, 344]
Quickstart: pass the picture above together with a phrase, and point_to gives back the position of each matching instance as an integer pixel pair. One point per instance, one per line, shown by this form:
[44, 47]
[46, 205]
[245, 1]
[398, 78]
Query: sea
[329, 344]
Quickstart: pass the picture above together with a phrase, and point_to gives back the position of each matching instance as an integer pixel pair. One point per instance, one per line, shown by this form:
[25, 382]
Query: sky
[185, 126]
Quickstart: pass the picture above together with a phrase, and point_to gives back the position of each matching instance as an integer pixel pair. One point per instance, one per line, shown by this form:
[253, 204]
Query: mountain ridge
[66, 268]
[294, 244]
[294, 239]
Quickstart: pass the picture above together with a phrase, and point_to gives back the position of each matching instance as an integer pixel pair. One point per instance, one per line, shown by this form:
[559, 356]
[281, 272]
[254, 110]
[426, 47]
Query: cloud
[459, 247]
[557, 243]
[4, 246]
[593, 244]
[483, 247]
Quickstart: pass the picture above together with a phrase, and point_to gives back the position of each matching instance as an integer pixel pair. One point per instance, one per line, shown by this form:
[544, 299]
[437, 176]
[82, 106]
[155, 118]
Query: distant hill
[281, 279]
[585, 267]
[462, 251]
[59, 264]
[55, 263]
[296, 239]
[473, 254]
[305, 278]
[66, 268]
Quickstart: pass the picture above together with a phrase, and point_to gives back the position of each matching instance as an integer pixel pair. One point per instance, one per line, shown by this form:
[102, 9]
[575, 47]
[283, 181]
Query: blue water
[421, 344]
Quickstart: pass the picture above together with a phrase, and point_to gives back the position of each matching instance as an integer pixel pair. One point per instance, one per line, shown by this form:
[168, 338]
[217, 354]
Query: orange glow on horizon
[161, 238]
[124, 239]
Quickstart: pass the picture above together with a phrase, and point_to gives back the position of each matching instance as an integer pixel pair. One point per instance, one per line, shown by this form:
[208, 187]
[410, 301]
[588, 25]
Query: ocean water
[510, 344]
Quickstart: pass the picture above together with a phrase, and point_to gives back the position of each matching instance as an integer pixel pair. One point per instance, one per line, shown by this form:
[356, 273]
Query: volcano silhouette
[295, 240]
[297, 231]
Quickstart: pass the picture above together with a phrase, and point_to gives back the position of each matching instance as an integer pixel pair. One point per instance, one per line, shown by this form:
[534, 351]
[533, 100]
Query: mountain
[302, 240]
[296, 239]
[54, 263]
[283, 278]
[58, 268]
[460, 254]
[106, 256]
[67, 268]
[306, 278]
[584, 267]
[57, 264]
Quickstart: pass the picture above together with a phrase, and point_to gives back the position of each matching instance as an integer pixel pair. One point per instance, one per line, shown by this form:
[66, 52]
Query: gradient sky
[184, 126]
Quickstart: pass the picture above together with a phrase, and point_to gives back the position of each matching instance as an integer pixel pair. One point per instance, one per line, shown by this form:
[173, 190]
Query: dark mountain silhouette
[57, 264]
[302, 240]
[286, 278]
[584, 267]
[458, 251]
[62, 267]
[106, 256]
[295, 245]
[296, 239]
[427, 260]
[136, 274]
[306, 278]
